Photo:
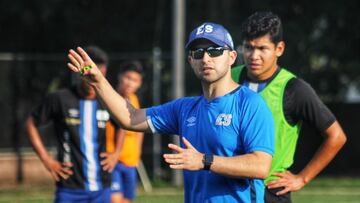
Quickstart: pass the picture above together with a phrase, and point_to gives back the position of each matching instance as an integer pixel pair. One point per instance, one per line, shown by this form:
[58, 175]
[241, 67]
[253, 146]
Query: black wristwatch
[207, 161]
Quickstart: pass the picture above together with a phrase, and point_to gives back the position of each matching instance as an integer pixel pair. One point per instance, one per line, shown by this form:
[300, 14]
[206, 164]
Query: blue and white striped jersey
[80, 129]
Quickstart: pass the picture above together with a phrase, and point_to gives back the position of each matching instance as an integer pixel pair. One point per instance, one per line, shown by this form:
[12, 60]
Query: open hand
[108, 164]
[80, 62]
[58, 170]
[185, 158]
[289, 181]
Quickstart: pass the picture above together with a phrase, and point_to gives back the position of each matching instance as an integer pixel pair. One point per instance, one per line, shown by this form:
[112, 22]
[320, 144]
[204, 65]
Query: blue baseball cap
[214, 32]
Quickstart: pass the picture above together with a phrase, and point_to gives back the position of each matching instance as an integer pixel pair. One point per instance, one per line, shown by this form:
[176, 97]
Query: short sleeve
[46, 111]
[163, 119]
[301, 103]
[257, 126]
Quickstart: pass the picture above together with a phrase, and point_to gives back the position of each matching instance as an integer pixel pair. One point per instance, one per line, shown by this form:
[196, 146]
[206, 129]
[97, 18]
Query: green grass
[44, 194]
[330, 190]
[321, 190]
[27, 194]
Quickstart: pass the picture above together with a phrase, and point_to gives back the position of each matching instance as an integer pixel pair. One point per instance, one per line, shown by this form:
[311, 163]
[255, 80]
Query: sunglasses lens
[213, 52]
[198, 54]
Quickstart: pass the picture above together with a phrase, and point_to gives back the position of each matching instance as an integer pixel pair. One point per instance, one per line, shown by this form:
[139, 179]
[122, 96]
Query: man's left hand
[185, 158]
[289, 181]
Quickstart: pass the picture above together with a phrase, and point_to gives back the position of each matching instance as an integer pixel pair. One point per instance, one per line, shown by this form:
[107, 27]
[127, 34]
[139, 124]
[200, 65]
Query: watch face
[208, 159]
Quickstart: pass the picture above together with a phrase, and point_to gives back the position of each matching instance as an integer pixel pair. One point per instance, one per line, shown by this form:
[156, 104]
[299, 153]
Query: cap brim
[217, 42]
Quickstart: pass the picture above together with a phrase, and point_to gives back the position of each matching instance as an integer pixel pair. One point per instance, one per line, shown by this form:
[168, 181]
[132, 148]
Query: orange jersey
[131, 148]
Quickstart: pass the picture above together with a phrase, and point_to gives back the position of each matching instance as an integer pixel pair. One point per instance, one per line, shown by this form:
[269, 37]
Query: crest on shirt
[223, 119]
[74, 113]
[191, 121]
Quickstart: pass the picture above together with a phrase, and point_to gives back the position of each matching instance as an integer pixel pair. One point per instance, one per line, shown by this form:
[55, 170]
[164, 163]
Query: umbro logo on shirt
[223, 119]
[191, 121]
[74, 113]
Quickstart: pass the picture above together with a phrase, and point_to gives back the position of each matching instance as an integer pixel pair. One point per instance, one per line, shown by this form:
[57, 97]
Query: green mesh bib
[286, 136]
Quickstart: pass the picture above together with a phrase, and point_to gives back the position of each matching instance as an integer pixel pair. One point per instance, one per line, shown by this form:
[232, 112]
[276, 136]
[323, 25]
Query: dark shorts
[271, 197]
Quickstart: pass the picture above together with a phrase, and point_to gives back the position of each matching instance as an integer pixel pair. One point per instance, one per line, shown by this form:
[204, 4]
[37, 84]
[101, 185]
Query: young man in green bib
[291, 101]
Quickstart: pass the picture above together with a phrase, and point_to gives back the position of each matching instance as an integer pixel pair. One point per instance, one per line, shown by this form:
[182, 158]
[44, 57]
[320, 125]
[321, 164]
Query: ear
[119, 76]
[138, 85]
[233, 56]
[280, 48]
[141, 81]
[189, 59]
[102, 67]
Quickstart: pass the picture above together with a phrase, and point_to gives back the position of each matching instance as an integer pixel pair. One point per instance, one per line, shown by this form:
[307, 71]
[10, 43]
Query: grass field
[321, 190]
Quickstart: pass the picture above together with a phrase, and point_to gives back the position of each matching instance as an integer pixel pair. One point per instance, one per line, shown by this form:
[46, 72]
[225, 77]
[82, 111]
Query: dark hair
[98, 55]
[260, 24]
[131, 66]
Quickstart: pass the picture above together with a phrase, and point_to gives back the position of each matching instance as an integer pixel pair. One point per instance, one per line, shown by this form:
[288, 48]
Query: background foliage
[322, 37]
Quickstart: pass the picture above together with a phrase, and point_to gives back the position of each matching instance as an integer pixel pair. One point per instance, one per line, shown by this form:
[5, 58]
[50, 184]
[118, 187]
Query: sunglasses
[211, 51]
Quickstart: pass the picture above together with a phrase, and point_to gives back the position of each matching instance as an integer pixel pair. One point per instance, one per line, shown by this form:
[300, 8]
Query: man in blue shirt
[227, 133]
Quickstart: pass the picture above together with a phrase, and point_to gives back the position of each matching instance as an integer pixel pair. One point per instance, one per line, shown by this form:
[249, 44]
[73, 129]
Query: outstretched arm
[122, 111]
[253, 165]
[57, 170]
[334, 140]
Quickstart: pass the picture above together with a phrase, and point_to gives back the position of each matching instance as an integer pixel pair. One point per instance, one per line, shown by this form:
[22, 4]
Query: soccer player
[79, 120]
[227, 134]
[125, 148]
[291, 101]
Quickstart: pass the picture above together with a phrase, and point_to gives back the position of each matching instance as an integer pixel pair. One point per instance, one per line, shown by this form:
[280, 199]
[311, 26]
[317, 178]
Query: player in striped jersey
[79, 120]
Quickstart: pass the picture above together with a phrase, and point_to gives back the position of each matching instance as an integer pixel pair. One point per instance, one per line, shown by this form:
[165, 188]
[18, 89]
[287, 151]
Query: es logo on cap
[204, 28]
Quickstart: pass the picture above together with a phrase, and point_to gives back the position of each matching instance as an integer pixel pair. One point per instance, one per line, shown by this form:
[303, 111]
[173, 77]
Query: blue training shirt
[234, 124]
